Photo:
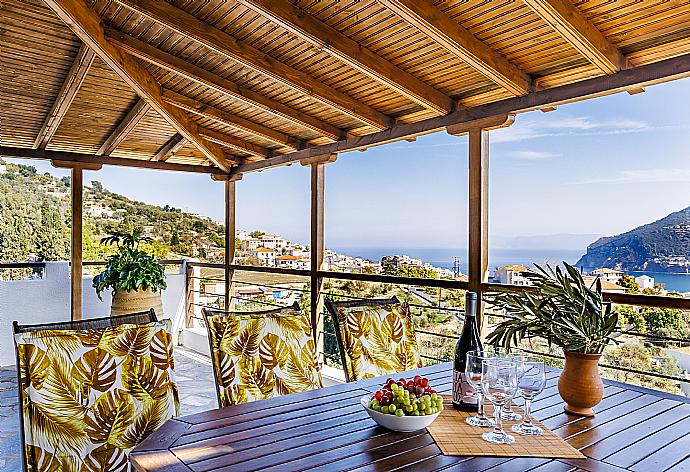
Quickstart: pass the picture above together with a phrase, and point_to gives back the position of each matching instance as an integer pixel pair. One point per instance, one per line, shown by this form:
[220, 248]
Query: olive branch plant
[559, 308]
[130, 268]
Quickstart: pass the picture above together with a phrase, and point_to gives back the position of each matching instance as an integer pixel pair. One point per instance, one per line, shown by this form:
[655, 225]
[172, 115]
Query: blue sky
[597, 167]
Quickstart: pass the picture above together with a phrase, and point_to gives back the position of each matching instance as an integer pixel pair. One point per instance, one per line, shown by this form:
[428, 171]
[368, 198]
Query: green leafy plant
[561, 309]
[129, 269]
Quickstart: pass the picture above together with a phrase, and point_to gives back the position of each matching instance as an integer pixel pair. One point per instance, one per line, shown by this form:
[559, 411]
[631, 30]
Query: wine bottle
[464, 396]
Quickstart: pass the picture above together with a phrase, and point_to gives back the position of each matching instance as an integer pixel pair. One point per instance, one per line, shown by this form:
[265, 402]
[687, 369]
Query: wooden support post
[77, 189]
[77, 186]
[478, 225]
[478, 214]
[318, 171]
[230, 207]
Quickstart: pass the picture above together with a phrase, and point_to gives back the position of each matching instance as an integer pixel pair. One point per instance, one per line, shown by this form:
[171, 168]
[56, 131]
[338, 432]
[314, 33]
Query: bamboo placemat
[456, 438]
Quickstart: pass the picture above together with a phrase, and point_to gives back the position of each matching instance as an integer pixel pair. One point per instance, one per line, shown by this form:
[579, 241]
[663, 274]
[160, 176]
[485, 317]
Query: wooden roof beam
[65, 97]
[95, 160]
[230, 119]
[169, 149]
[641, 76]
[236, 143]
[571, 24]
[172, 63]
[337, 44]
[125, 127]
[244, 53]
[86, 24]
[459, 41]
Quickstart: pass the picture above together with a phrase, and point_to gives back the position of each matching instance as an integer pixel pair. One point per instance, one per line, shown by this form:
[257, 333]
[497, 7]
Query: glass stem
[480, 411]
[528, 418]
[498, 414]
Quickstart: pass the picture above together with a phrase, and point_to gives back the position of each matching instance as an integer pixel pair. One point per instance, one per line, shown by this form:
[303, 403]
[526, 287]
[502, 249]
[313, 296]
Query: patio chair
[375, 337]
[261, 354]
[91, 390]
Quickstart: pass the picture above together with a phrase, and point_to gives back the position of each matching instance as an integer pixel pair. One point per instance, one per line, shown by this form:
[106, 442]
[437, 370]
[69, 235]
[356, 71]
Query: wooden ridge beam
[448, 33]
[128, 123]
[571, 24]
[208, 111]
[87, 160]
[236, 143]
[242, 52]
[169, 149]
[65, 97]
[642, 76]
[172, 63]
[339, 45]
[86, 24]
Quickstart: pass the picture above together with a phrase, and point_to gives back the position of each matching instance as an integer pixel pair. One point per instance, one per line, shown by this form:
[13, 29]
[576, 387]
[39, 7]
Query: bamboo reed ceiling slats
[257, 79]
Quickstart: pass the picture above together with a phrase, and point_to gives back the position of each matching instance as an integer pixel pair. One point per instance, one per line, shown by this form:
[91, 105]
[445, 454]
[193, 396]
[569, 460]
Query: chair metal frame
[333, 306]
[92, 323]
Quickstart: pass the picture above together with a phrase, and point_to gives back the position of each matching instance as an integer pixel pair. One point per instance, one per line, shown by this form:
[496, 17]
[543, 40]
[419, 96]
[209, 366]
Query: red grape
[424, 382]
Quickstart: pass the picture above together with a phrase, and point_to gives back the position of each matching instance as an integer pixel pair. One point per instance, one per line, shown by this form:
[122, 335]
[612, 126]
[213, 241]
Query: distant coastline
[443, 257]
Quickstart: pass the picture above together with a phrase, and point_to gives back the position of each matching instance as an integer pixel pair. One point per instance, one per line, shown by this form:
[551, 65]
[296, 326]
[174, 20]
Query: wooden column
[230, 212]
[77, 189]
[478, 224]
[318, 172]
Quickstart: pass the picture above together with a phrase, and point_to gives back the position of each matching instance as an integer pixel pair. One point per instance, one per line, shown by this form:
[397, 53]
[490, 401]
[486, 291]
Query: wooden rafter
[230, 119]
[236, 143]
[335, 43]
[128, 123]
[244, 53]
[92, 159]
[459, 41]
[70, 87]
[572, 25]
[169, 149]
[642, 76]
[227, 87]
[86, 24]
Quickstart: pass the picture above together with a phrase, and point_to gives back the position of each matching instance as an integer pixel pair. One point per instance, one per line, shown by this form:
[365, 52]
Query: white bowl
[403, 424]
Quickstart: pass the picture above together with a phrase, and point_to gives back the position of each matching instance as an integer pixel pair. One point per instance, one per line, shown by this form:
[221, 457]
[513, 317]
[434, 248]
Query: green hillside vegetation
[35, 221]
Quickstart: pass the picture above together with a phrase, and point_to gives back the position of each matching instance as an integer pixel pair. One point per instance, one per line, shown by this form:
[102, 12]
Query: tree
[175, 239]
[628, 282]
[96, 186]
[256, 234]
[665, 321]
[66, 181]
[52, 241]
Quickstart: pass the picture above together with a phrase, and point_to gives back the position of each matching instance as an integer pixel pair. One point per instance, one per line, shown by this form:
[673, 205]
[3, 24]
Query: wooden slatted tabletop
[635, 429]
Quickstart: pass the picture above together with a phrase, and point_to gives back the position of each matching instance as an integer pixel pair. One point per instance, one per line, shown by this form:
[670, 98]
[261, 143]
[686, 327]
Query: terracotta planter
[135, 302]
[580, 384]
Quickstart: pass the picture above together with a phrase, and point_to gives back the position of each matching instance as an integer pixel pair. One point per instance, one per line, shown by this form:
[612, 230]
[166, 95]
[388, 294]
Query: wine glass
[499, 383]
[473, 374]
[508, 414]
[530, 384]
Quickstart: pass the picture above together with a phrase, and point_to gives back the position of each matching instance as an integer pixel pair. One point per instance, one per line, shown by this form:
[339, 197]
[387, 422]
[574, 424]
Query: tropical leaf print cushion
[90, 396]
[378, 340]
[262, 355]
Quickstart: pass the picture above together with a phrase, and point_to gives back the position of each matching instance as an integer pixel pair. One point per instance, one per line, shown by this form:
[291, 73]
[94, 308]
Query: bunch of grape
[413, 397]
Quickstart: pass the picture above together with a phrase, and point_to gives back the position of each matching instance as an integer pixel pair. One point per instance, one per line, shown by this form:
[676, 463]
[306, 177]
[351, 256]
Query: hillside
[661, 246]
[35, 220]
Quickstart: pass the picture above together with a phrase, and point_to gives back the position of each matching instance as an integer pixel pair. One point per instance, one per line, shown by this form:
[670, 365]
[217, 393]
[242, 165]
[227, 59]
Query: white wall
[48, 300]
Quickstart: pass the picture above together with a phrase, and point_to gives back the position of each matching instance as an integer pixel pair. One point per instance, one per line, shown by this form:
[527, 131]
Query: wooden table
[635, 429]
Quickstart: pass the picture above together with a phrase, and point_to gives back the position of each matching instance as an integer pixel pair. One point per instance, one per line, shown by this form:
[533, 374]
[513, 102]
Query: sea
[444, 258]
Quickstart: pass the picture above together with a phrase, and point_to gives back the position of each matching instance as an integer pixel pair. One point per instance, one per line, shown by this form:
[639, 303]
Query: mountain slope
[661, 246]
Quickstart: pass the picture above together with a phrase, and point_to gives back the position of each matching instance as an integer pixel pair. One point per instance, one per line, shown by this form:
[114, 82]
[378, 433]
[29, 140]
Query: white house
[609, 275]
[644, 281]
[3, 168]
[512, 275]
[266, 256]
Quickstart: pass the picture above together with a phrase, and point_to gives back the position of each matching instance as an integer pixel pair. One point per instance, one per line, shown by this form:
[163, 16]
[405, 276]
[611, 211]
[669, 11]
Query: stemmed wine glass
[508, 414]
[530, 384]
[473, 374]
[499, 383]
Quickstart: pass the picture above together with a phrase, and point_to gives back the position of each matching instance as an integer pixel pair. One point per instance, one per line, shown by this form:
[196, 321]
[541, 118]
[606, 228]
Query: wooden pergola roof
[234, 86]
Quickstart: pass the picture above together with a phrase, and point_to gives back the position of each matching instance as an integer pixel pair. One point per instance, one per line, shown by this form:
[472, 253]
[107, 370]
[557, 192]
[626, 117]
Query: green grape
[399, 413]
[392, 407]
[385, 409]
[415, 407]
[415, 413]
[408, 408]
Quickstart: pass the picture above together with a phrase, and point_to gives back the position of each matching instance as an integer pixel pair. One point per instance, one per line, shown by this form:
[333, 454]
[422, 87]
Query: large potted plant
[134, 276]
[563, 310]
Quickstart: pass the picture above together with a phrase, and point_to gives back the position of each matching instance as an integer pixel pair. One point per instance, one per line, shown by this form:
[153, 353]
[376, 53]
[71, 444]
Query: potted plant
[134, 276]
[564, 311]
